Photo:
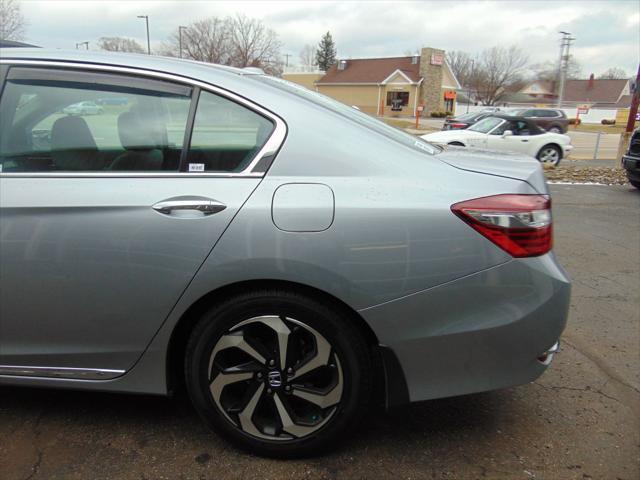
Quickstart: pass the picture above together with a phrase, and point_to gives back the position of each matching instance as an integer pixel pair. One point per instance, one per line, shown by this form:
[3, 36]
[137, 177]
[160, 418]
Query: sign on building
[437, 59]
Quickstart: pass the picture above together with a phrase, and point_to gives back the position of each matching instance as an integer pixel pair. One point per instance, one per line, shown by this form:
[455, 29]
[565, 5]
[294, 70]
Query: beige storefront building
[395, 86]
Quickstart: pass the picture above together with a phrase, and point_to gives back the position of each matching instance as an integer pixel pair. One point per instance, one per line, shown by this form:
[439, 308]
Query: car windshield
[486, 125]
[351, 113]
[467, 116]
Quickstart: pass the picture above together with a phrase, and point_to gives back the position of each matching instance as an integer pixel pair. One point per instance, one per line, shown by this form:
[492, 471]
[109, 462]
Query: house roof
[12, 43]
[602, 91]
[372, 70]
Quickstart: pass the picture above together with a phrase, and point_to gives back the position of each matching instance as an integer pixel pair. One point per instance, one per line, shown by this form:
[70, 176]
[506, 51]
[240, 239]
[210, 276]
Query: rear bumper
[632, 166]
[482, 332]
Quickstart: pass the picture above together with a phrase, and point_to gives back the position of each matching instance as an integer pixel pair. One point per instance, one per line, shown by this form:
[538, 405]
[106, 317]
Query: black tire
[346, 343]
[555, 129]
[635, 183]
[544, 152]
[456, 144]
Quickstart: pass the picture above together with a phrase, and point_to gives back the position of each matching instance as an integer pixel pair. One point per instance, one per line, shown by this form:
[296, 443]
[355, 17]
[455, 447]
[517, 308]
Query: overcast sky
[607, 33]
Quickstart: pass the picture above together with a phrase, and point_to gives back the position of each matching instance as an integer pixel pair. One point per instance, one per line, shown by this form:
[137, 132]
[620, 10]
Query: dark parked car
[465, 121]
[631, 161]
[551, 119]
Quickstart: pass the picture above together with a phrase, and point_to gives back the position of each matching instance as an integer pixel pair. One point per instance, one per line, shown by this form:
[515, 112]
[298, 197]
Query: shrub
[606, 121]
[438, 114]
[575, 121]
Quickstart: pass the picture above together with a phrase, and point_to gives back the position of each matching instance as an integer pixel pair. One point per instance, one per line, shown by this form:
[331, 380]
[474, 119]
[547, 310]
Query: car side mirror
[507, 133]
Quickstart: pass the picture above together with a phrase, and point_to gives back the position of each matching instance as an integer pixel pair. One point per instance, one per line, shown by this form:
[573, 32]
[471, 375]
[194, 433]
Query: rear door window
[226, 136]
[53, 121]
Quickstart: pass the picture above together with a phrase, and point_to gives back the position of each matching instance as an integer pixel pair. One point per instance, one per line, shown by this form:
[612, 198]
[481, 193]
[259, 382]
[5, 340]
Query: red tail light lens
[519, 224]
[458, 125]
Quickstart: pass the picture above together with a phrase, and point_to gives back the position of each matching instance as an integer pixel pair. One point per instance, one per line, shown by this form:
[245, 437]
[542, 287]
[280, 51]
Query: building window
[397, 100]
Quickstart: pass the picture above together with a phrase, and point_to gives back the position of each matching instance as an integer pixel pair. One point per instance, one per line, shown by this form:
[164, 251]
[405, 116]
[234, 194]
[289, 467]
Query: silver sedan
[287, 259]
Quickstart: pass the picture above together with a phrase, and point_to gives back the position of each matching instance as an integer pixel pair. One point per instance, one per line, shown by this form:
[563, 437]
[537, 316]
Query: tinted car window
[50, 126]
[226, 136]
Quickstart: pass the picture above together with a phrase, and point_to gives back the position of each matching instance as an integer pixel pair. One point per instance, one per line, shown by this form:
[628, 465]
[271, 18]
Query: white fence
[595, 115]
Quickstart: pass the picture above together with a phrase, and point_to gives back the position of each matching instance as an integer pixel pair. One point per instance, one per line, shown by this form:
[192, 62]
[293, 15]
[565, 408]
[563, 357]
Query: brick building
[388, 86]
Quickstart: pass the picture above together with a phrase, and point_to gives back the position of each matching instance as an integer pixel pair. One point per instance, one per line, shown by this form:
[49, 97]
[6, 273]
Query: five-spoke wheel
[278, 373]
[275, 377]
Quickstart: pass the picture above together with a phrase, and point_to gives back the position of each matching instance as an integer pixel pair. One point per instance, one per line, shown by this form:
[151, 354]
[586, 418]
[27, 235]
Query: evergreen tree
[326, 52]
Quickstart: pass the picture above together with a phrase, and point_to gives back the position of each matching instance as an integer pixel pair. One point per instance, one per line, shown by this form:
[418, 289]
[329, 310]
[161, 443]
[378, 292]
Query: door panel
[99, 232]
[89, 270]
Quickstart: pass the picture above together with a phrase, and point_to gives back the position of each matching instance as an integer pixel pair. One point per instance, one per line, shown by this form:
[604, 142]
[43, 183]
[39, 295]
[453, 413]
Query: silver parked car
[289, 259]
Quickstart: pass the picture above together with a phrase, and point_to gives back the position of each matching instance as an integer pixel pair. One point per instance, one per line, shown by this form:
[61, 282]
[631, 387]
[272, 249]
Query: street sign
[583, 109]
[420, 108]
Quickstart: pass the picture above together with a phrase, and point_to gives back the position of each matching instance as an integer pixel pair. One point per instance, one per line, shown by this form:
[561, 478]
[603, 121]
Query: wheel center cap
[274, 378]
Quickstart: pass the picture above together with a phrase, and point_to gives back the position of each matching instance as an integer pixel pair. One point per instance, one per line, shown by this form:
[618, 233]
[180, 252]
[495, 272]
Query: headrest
[71, 133]
[138, 132]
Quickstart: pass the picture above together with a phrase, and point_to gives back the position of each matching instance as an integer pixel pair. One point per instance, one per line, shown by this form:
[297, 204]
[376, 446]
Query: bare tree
[308, 56]
[254, 45]
[12, 22]
[120, 44]
[495, 71]
[461, 64]
[613, 73]
[206, 40]
[549, 70]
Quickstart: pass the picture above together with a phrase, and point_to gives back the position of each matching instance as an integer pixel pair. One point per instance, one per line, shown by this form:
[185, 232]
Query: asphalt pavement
[580, 420]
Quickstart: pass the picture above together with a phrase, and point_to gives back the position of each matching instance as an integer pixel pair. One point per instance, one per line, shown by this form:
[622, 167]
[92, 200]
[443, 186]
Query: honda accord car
[288, 260]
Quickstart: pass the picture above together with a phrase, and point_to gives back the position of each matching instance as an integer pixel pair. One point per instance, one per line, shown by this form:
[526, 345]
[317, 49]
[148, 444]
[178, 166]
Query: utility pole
[180, 28]
[469, 79]
[631, 121]
[565, 43]
[146, 18]
[286, 56]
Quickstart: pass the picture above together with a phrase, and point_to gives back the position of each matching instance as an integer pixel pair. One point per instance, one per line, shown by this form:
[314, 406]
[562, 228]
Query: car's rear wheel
[550, 155]
[456, 144]
[555, 129]
[278, 373]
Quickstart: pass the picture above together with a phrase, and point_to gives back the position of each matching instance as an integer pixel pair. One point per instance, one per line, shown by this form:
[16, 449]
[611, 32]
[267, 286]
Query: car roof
[531, 125]
[121, 59]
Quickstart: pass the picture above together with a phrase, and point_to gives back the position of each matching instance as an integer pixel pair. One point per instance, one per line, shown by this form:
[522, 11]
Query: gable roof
[624, 101]
[372, 70]
[602, 91]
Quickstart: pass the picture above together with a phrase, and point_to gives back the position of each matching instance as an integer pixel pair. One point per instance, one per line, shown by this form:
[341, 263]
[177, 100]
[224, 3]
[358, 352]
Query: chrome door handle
[205, 206]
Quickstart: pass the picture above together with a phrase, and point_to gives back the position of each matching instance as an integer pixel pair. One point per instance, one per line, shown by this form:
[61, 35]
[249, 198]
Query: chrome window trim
[60, 372]
[271, 147]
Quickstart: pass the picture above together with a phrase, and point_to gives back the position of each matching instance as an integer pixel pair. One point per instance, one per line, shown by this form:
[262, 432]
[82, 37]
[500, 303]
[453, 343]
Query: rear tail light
[519, 224]
[458, 125]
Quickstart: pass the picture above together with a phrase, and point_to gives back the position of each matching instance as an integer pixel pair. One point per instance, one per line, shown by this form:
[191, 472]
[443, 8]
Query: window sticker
[196, 167]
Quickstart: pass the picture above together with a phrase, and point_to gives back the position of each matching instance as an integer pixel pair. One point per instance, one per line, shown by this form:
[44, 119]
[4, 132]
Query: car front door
[105, 219]
[519, 141]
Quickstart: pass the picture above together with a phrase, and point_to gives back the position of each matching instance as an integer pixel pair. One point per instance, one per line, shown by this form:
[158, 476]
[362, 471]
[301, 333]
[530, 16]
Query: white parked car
[83, 108]
[510, 134]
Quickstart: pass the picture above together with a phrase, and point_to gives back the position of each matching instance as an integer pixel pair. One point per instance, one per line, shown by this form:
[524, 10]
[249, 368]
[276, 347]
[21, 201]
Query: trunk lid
[500, 164]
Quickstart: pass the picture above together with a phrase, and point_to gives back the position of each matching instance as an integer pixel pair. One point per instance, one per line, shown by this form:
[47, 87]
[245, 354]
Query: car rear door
[105, 219]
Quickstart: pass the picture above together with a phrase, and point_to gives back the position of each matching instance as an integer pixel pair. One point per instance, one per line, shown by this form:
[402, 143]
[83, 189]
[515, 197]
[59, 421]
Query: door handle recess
[205, 206]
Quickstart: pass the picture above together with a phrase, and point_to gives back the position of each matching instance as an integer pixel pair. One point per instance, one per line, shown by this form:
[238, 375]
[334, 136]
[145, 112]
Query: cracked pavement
[580, 420]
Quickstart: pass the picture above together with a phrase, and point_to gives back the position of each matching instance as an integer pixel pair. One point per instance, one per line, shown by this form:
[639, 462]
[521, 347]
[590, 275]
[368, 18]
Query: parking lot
[579, 421]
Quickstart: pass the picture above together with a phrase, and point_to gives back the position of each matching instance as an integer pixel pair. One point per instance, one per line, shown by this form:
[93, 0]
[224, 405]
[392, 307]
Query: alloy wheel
[549, 155]
[275, 378]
